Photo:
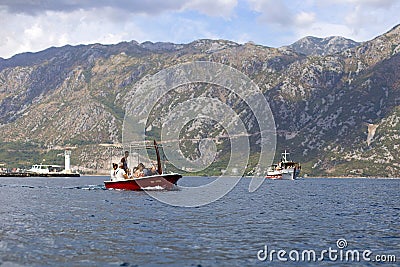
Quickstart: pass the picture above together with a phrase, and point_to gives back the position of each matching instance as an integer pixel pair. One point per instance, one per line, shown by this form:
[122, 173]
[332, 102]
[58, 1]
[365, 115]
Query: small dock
[42, 170]
[28, 174]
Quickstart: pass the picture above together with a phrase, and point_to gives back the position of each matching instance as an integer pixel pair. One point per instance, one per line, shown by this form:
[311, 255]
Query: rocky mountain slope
[322, 46]
[335, 102]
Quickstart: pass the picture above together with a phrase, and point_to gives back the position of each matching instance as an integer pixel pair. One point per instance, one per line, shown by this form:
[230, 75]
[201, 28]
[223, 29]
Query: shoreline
[349, 177]
[309, 177]
[3, 175]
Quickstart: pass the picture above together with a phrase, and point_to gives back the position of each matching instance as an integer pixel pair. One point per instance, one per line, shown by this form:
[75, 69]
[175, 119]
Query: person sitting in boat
[133, 171]
[112, 173]
[120, 173]
[139, 171]
[150, 171]
[146, 172]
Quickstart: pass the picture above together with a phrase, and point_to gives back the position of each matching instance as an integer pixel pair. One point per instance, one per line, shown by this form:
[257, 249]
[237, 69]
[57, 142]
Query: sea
[306, 222]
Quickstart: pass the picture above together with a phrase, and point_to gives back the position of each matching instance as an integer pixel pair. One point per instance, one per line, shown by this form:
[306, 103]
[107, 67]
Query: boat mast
[159, 167]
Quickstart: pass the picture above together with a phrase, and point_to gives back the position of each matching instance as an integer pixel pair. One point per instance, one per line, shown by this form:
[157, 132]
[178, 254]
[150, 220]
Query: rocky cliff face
[335, 101]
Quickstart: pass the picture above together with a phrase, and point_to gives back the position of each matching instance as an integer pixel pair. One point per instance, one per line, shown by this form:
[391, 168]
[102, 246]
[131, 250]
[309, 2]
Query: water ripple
[76, 222]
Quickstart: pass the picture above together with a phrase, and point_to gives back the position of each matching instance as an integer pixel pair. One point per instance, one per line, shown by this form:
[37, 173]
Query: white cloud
[272, 11]
[282, 13]
[216, 8]
[366, 3]
[222, 8]
[367, 18]
[28, 25]
[35, 7]
[305, 18]
[359, 20]
[362, 15]
[36, 25]
[27, 33]
[34, 32]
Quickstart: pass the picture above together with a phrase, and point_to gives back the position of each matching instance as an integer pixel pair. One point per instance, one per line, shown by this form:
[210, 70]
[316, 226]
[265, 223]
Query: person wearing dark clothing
[124, 160]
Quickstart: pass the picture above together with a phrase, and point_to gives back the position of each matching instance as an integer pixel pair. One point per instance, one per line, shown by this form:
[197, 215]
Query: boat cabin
[40, 168]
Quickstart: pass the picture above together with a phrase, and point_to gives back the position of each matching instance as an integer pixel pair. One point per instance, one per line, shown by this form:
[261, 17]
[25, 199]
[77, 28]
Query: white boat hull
[286, 174]
[284, 170]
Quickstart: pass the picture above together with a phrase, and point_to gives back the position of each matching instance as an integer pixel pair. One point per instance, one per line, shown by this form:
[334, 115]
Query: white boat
[45, 169]
[284, 170]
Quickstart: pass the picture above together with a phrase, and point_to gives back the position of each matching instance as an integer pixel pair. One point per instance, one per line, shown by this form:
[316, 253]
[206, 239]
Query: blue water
[75, 222]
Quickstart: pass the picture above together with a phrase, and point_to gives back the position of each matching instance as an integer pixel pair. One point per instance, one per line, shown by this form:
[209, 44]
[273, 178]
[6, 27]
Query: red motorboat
[158, 181]
[155, 182]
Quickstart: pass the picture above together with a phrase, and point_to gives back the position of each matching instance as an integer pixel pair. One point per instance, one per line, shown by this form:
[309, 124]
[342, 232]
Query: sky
[34, 25]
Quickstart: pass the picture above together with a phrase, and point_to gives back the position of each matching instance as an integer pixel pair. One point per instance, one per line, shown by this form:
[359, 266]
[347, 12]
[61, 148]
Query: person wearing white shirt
[113, 172]
[120, 173]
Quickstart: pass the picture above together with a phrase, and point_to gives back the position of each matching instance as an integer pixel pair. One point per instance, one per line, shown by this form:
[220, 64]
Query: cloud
[33, 25]
[368, 12]
[27, 33]
[305, 18]
[272, 11]
[36, 25]
[223, 8]
[366, 3]
[367, 18]
[40, 6]
[282, 13]
[359, 20]
[209, 7]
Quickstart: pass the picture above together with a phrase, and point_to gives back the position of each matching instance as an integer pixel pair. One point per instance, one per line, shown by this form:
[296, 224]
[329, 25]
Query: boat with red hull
[158, 181]
[163, 181]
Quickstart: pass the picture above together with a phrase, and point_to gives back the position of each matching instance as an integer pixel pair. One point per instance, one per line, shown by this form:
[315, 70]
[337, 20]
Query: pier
[29, 174]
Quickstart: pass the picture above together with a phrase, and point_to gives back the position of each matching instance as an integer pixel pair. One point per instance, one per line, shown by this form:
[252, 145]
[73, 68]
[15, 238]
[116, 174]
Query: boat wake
[86, 187]
[93, 187]
[160, 188]
[150, 188]
[83, 187]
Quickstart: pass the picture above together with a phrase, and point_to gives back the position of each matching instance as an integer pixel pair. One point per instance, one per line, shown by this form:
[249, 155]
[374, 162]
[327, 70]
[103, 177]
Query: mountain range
[336, 102]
